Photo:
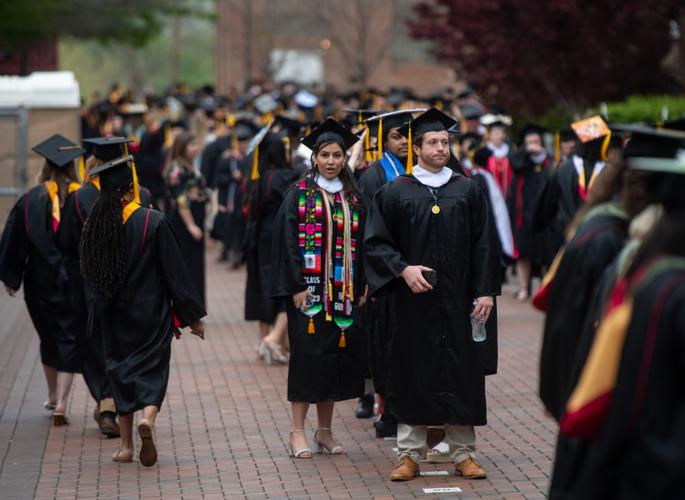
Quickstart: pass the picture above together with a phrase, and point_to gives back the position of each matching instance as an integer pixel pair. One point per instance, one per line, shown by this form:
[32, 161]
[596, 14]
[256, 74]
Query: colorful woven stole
[328, 268]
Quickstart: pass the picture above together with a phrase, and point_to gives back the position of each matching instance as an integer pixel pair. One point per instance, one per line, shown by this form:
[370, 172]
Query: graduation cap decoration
[591, 129]
[654, 149]
[432, 120]
[59, 151]
[491, 120]
[330, 131]
[393, 119]
[107, 148]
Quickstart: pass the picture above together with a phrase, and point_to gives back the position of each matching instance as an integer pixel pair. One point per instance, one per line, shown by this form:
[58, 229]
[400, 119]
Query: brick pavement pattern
[223, 430]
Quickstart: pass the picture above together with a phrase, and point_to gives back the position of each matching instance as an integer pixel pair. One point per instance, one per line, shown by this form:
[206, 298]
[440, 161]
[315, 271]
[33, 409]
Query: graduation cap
[475, 139]
[253, 148]
[593, 129]
[134, 109]
[387, 121]
[108, 148]
[532, 129]
[330, 131]
[491, 120]
[59, 151]
[432, 120]
[567, 135]
[244, 129]
[293, 126]
[117, 174]
[472, 111]
[481, 157]
[654, 149]
[465, 92]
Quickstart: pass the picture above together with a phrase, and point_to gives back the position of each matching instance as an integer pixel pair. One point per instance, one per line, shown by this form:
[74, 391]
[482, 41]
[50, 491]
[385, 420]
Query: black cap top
[532, 129]
[107, 148]
[654, 149]
[394, 119]
[432, 120]
[472, 111]
[567, 135]
[115, 174]
[330, 130]
[244, 129]
[58, 150]
[291, 125]
[481, 157]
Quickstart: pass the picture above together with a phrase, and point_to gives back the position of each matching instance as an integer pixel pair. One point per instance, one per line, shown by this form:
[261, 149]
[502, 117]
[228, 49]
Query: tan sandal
[148, 450]
[325, 450]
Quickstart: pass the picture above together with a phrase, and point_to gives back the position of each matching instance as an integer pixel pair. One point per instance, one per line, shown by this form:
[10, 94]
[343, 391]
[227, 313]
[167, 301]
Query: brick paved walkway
[224, 427]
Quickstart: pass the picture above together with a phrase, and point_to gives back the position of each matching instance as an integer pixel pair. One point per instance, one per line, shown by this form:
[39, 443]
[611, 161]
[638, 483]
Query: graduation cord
[435, 192]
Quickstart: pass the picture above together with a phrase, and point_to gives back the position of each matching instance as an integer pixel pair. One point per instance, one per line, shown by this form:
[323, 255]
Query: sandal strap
[300, 452]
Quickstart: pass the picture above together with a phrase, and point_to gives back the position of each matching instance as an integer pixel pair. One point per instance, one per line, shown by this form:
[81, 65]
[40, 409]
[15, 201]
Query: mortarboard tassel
[605, 146]
[255, 164]
[557, 146]
[82, 169]
[311, 330]
[367, 145]
[380, 138]
[410, 154]
[230, 120]
[134, 174]
[342, 343]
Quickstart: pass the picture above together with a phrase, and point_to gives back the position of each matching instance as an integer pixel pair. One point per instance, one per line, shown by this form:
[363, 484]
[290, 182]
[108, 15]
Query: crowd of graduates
[376, 229]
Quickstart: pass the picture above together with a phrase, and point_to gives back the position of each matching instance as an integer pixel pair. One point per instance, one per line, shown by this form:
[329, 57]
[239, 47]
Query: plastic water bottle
[478, 332]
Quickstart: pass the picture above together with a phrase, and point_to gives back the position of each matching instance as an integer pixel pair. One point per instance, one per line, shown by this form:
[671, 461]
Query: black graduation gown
[435, 372]
[596, 243]
[640, 452]
[229, 223]
[527, 185]
[570, 452]
[150, 159]
[269, 191]
[29, 254]
[136, 324]
[371, 181]
[319, 370]
[211, 158]
[192, 250]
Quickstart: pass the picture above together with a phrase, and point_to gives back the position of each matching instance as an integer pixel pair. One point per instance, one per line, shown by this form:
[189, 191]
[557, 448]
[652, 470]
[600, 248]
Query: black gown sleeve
[186, 302]
[486, 253]
[14, 247]
[383, 261]
[285, 253]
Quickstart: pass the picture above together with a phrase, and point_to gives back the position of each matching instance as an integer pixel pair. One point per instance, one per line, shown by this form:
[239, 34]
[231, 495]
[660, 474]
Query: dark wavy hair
[102, 246]
[350, 190]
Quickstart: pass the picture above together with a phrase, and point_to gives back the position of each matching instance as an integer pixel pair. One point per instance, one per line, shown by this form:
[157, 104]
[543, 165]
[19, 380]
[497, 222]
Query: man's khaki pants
[411, 441]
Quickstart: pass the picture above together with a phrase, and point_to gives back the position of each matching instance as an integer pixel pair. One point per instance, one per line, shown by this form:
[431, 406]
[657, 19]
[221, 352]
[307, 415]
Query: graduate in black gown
[317, 269]
[430, 242]
[378, 317]
[566, 294]
[188, 197]
[270, 178]
[131, 261]
[627, 427]
[77, 206]
[232, 171]
[531, 169]
[29, 254]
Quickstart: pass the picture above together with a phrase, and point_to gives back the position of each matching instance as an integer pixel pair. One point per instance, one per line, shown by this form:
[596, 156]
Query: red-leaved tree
[531, 55]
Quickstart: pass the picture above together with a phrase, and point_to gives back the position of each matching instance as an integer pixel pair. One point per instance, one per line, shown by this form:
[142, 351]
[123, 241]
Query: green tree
[131, 22]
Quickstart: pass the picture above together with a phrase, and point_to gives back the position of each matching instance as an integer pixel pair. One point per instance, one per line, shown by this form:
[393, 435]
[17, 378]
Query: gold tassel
[255, 164]
[230, 120]
[410, 155]
[605, 146]
[380, 138]
[367, 145]
[311, 330]
[342, 343]
[557, 146]
[82, 169]
[168, 136]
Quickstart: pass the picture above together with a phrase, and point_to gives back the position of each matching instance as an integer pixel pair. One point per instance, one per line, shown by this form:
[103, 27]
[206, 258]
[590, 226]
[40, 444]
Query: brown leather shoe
[406, 470]
[470, 469]
[109, 426]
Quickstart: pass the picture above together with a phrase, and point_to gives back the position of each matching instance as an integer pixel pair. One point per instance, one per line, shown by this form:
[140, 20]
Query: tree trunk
[175, 50]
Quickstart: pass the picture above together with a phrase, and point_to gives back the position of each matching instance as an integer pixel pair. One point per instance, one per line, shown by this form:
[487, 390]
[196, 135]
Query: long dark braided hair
[102, 247]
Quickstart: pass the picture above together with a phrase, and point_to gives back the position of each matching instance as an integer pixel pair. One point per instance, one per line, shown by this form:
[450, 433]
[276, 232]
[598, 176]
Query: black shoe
[108, 425]
[385, 429]
[364, 407]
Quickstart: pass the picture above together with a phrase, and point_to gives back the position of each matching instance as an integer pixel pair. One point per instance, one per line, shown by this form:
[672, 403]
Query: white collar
[430, 179]
[332, 186]
[499, 151]
[578, 163]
